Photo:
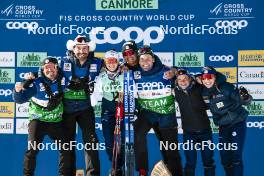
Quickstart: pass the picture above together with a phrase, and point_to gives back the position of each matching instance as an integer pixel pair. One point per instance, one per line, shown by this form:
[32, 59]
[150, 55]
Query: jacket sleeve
[97, 95]
[24, 95]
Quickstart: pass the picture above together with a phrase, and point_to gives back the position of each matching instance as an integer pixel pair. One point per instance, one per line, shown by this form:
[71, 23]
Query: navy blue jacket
[225, 103]
[37, 90]
[95, 65]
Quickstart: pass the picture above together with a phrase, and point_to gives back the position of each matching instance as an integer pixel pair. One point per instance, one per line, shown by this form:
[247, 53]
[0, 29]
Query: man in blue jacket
[156, 106]
[45, 114]
[81, 70]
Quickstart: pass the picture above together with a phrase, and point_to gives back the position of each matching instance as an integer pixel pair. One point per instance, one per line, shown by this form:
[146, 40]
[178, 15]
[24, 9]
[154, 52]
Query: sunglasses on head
[128, 52]
[207, 76]
[81, 40]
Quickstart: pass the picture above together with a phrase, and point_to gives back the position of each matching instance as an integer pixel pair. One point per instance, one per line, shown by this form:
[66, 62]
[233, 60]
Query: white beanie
[111, 54]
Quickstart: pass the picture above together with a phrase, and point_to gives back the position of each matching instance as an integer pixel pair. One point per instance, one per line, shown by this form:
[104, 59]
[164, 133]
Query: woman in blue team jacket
[225, 103]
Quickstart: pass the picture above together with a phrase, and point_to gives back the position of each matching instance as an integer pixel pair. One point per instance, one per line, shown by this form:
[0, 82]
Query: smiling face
[146, 62]
[183, 81]
[208, 80]
[111, 64]
[81, 52]
[50, 71]
[130, 57]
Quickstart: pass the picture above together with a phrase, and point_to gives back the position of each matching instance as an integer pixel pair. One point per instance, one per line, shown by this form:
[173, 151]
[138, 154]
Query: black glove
[243, 93]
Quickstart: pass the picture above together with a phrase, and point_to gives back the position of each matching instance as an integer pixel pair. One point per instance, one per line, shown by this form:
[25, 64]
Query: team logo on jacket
[164, 76]
[42, 88]
[220, 105]
[137, 75]
[67, 67]
[93, 68]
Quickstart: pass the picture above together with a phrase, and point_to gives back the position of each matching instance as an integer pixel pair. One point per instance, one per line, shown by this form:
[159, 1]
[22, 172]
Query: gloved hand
[243, 93]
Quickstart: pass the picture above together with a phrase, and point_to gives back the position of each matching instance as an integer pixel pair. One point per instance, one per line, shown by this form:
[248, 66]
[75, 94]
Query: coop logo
[8, 11]
[258, 125]
[231, 10]
[237, 24]
[144, 36]
[21, 25]
[22, 11]
[251, 74]
[5, 92]
[6, 126]
[222, 58]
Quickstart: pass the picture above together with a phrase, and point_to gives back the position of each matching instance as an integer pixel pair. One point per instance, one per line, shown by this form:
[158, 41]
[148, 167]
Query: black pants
[86, 121]
[171, 157]
[36, 133]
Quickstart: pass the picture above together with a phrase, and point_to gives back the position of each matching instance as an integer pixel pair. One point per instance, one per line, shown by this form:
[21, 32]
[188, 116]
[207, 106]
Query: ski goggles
[129, 52]
[207, 76]
[81, 39]
[111, 60]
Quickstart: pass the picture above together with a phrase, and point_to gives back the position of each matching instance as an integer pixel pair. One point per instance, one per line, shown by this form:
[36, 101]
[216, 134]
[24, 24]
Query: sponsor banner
[189, 59]
[6, 92]
[166, 58]
[22, 109]
[30, 59]
[6, 126]
[256, 108]
[251, 74]
[99, 54]
[251, 58]
[230, 73]
[126, 5]
[220, 60]
[255, 90]
[7, 109]
[7, 76]
[7, 59]
[22, 126]
[20, 72]
[255, 123]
